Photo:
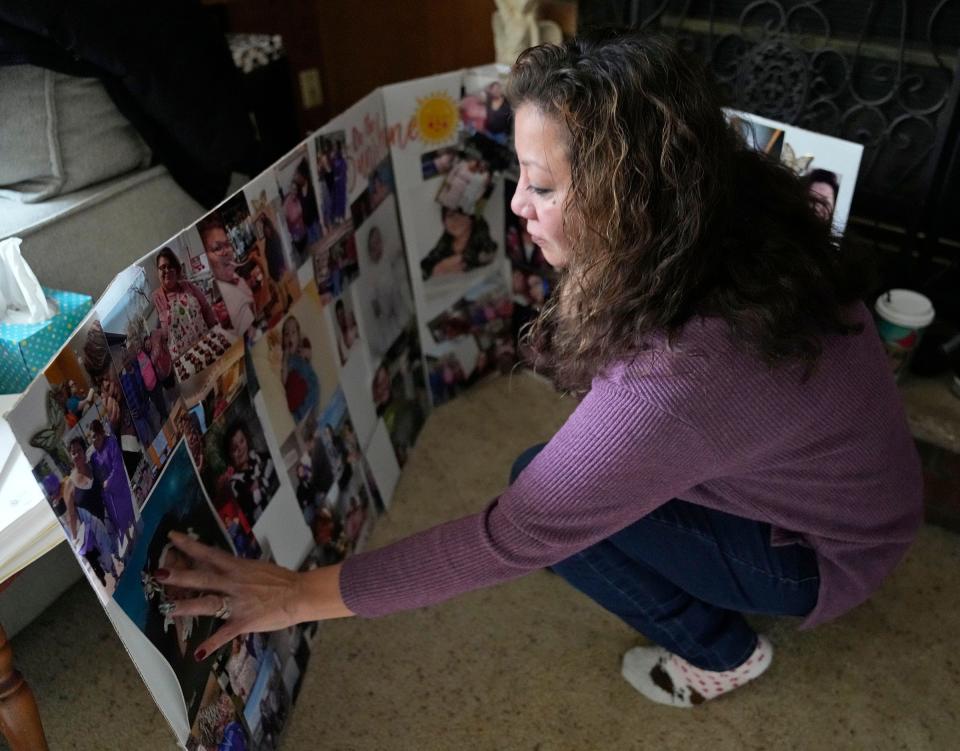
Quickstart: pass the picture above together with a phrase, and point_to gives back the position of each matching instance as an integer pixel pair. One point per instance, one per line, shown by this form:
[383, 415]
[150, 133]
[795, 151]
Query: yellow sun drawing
[436, 117]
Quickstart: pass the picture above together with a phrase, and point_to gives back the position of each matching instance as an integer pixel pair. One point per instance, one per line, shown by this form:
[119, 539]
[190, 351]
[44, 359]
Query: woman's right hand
[261, 596]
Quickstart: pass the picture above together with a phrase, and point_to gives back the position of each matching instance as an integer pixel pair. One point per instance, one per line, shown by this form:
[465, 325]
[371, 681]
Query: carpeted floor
[532, 664]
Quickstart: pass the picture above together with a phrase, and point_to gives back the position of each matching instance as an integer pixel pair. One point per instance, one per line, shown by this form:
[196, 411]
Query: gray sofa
[77, 187]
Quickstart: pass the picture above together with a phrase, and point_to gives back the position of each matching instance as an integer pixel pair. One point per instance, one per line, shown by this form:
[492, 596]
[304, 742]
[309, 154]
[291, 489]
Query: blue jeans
[683, 575]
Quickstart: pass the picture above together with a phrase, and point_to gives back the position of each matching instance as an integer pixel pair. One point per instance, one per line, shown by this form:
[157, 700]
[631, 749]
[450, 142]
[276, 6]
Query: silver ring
[224, 612]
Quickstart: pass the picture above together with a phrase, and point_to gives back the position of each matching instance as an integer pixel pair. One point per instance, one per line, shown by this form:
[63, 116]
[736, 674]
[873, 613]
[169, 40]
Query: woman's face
[544, 182]
[77, 455]
[169, 274]
[239, 450]
[457, 223]
[824, 206]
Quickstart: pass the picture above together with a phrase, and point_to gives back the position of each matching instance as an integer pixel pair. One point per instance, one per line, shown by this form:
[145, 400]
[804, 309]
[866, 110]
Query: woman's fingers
[196, 578]
[223, 635]
[205, 605]
[202, 553]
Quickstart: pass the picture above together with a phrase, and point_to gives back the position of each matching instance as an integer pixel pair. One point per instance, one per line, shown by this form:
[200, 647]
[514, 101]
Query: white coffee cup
[902, 315]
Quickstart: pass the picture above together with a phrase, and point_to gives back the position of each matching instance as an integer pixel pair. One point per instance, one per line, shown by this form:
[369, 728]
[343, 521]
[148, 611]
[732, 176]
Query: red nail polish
[199, 655]
[161, 574]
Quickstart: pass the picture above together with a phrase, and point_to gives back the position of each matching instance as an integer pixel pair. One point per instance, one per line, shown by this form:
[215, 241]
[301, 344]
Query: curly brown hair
[669, 215]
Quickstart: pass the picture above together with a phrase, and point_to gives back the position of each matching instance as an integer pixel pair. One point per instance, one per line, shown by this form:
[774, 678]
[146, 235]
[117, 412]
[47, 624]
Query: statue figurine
[515, 27]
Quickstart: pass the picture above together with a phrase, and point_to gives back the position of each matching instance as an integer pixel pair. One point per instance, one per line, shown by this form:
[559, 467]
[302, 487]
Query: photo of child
[383, 290]
[242, 477]
[468, 181]
[287, 371]
[299, 378]
[348, 334]
[238, 526]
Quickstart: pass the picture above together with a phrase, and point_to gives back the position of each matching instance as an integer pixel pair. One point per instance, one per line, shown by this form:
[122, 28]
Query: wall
[358, 46]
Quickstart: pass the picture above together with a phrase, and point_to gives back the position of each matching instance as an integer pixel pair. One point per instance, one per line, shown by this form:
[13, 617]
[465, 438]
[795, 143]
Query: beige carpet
[532, 664]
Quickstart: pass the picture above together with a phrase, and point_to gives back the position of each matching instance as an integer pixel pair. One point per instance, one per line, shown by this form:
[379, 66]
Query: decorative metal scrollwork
[880, 73]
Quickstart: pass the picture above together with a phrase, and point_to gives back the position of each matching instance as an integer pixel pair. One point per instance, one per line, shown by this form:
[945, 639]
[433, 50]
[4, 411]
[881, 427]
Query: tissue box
[26, 348]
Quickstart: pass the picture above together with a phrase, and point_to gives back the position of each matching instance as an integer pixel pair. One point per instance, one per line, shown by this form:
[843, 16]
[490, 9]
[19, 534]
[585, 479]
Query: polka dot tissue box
[25, 349]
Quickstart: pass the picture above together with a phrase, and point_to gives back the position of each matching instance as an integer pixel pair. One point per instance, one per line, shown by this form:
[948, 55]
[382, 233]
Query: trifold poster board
[258, 381]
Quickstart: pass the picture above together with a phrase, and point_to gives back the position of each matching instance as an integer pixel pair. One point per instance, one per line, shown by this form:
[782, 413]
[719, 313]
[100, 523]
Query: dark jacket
[167, 68]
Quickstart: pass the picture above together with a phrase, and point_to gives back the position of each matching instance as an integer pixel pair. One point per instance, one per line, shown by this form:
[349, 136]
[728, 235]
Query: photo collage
[452, 209]
[203, 394]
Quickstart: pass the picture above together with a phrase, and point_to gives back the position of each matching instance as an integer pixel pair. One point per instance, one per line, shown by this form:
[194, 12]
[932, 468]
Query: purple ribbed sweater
[829, 462]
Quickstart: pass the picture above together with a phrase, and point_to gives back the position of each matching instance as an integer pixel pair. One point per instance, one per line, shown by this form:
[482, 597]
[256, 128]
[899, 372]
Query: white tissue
[21, 297]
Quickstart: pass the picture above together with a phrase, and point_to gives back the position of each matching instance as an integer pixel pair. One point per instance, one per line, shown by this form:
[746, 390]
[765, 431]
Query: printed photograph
[267, 708]
[385, 300]
[468, 182]
[141, 357]
[67, 424]
[484, 109]
[474, 337]
[380, 184]
[176, 503]
[192, 327]
[823, 163]
[438, 161]
[297, 365]
[238, 471]
[327, 474]
[763, 138]
[532, 278]
[236, 257]
[345, 324]
[335, 262]
[218, 725]
[301, 209]
[400, 394]
[331, 150]
[273, 244]
[106, 395]
[465, 244]
[292, 648]
[242, 660]
[311, 473]
[824, 188]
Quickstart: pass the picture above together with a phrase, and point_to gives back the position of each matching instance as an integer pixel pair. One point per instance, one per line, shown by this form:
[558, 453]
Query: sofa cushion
[61, 133]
